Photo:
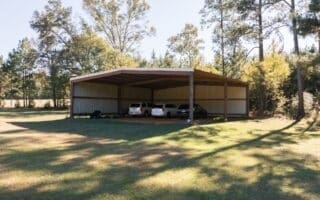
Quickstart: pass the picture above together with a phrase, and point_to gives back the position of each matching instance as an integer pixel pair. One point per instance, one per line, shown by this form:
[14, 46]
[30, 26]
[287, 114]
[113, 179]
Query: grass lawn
[43, 155]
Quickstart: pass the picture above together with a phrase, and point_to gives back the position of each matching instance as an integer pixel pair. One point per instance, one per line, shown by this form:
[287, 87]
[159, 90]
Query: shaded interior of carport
[155, 80]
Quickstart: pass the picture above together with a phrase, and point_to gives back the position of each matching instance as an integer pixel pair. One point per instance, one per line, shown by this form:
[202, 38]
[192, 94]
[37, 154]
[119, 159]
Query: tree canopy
[186, 45]
[122, 22]
[41, 67]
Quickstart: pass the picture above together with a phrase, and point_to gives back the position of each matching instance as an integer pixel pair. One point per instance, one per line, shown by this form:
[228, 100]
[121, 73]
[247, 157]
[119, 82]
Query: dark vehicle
[96, 115]
[198, 111]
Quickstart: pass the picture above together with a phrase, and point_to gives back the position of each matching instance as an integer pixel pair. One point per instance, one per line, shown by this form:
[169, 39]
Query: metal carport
[115, 88]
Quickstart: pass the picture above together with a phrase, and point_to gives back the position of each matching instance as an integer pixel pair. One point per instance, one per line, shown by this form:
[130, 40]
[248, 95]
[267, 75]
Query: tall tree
[219, 15]
[11, 87]
[122, 22]
[310, 22]
[90, 53]
[276, 71]
[257, 25]
[168, 60]
[187, 45]
[55, 30]
[154, 60]
[25, 66]
[3, 80]
[291, 4]
[259, 20]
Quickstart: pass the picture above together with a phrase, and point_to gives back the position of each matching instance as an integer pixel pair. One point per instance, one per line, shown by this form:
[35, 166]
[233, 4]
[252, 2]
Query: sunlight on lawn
[48, 156]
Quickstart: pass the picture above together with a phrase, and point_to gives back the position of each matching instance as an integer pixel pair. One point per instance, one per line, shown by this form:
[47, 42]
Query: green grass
[46, 156]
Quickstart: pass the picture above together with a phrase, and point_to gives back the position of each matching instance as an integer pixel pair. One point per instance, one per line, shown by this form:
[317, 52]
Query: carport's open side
[113, 91]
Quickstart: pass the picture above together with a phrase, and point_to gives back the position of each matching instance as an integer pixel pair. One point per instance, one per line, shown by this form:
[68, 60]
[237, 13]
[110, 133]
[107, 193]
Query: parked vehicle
[164, 110]
[198, 111]
[140, 109]
[96, 115]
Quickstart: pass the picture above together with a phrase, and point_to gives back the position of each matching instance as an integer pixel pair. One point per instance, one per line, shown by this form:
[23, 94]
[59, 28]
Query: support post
[247, 100]
[71, 99]
[194, 92]
[152, 96]
[191, 97]
[119, 99]
[225, 100]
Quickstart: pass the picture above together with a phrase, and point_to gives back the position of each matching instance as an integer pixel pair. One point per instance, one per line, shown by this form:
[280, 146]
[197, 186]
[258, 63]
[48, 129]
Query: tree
[310, 22]
[187, 45]
[90, 53]
[3, 79]
[26, 57]
[55, 30]
[11, 87]
[154, 60]
[276, 71]
[257, 26]
[294, 27]
[122, 22]
[219, 14]
[168, 60]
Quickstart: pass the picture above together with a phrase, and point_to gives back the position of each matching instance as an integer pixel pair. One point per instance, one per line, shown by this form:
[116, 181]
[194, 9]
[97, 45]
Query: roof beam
[137, 83]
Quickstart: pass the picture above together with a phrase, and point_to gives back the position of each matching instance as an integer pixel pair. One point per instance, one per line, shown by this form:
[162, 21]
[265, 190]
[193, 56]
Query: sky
[167, 16]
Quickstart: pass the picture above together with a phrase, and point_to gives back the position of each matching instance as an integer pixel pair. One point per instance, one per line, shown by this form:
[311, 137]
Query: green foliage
[166, 61]
[47, 105]
[311, 74]
[90, 53]
[17, 79]
[55, 30]
[269, 75]
[53, 25]
[3, 80]
[222, 17]
[10, 72]
[122, 23]
[186, 45]
[309, 23]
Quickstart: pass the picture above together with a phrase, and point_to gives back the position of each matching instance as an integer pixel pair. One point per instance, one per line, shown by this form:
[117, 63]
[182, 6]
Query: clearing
[43, 155]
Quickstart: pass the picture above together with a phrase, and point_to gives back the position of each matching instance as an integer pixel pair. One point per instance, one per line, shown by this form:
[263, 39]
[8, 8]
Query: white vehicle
[140, 109]
[164, 110]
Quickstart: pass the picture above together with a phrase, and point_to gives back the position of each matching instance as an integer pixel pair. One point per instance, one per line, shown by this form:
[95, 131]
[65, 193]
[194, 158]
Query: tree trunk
[261, 51]
[261, 59]
[301, 112]
[222, 39]
[54, 95]
[24, 88]
[319, 40]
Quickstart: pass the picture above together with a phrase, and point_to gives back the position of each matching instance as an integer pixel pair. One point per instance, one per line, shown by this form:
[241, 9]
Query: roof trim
[152, 71]
[155, 71]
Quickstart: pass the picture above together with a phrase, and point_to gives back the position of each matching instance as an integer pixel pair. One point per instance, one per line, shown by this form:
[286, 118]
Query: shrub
[17, 104]
[31, 104]
[47, 105]
[291, 106]
[265, 81]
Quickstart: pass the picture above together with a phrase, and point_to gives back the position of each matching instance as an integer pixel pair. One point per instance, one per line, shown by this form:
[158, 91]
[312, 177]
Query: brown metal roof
[156, 78]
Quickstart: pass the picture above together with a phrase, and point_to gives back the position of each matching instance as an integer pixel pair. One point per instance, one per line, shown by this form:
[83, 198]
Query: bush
[47, 105]
[17, 104]
[291, 106]
[265, 81]
[31, 104]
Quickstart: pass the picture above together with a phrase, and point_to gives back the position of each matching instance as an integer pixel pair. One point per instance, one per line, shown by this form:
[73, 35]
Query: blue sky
[167, 16]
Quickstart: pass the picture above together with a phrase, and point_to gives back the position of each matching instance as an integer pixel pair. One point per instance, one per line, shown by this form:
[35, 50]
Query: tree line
[42, 67]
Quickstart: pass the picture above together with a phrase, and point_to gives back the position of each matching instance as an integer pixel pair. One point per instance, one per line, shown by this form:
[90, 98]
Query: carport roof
[156, 78]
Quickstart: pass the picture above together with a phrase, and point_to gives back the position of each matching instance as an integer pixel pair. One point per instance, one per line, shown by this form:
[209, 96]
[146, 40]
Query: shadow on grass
[138, 160]
[29, 112]
[102, 128]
